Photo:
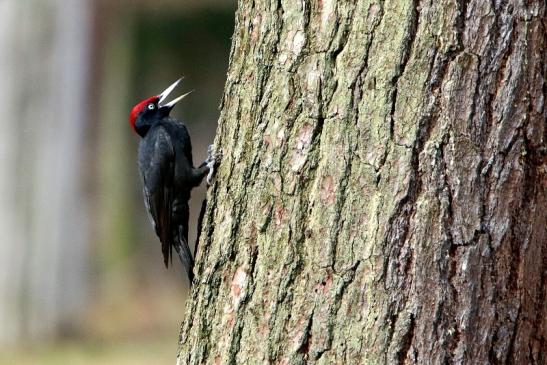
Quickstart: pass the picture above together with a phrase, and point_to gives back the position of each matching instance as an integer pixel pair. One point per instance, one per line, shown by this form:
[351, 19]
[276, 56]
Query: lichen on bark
[382, 196]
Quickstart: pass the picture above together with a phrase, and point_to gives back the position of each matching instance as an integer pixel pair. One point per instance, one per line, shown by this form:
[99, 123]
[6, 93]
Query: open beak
[168, 91]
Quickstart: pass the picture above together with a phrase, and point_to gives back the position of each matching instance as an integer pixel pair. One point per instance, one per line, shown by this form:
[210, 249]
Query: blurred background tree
[78, 258]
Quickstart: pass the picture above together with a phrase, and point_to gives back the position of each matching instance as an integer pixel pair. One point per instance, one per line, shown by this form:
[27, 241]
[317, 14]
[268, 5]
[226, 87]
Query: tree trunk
[382, 197]
[44, 68]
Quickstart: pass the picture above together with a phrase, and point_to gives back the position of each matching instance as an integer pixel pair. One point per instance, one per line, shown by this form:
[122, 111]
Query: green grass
[126, 352]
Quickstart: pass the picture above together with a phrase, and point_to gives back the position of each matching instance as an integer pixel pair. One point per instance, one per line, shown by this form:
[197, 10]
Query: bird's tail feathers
[186, 258]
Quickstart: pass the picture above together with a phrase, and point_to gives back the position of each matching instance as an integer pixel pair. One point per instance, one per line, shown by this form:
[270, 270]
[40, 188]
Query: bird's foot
[213, 160]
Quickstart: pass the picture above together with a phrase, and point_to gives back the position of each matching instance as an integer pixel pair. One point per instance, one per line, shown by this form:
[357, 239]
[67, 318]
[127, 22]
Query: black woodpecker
[168, 173]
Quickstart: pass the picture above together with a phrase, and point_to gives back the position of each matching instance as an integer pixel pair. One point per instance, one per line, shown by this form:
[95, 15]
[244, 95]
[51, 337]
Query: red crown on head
[137, 109]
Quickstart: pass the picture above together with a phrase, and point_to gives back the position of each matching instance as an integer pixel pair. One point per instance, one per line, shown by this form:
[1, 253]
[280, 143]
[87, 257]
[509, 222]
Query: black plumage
[168, 176]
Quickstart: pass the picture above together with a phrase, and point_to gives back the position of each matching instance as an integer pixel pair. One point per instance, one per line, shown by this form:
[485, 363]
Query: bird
[168, 174]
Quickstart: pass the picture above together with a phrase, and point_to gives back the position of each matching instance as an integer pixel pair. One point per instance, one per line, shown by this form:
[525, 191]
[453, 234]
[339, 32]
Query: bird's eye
[151, 106]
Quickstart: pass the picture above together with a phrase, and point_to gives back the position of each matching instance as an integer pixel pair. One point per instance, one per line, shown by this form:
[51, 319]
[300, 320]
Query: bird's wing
[157, 166]
[184, 137]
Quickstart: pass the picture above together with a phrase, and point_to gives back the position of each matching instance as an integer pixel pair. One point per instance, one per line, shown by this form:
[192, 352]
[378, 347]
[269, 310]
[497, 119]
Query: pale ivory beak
[168, 91]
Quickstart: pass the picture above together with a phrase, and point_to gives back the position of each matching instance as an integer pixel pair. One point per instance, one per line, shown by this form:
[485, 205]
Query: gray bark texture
[383, 193]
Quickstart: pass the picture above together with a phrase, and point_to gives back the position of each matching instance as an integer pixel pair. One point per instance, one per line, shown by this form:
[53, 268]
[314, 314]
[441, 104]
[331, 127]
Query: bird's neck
[142, 126]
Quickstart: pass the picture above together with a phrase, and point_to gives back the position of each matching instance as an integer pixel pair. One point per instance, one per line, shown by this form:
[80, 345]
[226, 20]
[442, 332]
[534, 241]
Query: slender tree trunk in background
[382, 197]
[43, 229]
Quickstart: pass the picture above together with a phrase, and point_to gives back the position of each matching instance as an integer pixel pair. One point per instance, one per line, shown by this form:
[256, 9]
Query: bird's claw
[213, 159]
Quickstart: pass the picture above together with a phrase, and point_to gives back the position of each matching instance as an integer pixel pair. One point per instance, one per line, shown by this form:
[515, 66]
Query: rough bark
[382, 197]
